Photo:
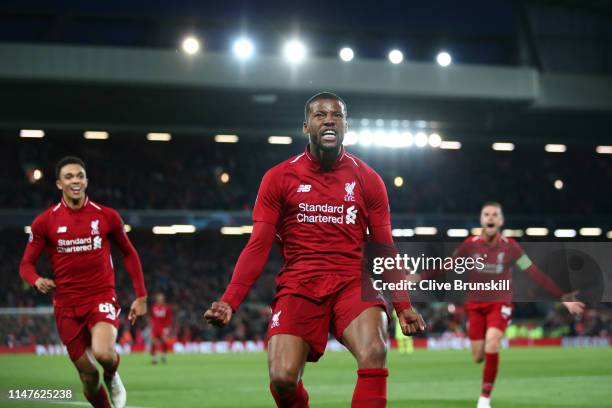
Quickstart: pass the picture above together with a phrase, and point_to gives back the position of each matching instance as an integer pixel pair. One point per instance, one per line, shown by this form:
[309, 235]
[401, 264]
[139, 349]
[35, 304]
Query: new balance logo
[275, 319]
[351, 215]
[61, 230]
[304, 188]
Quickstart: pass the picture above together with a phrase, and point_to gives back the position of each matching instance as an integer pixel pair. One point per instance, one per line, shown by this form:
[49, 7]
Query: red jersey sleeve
[377, 201]
[128, 252]
[36, 243]
[250, 265]
[269, 201]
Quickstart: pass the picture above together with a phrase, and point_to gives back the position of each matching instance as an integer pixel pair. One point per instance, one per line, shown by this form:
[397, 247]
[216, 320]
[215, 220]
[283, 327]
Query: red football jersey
[161, 315]
[321, 217]
[499, 258]
[78, 245]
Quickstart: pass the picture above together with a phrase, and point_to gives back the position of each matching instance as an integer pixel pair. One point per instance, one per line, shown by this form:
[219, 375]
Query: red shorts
[159, 331]
[483, 315]
[74, 323]
[313, 320]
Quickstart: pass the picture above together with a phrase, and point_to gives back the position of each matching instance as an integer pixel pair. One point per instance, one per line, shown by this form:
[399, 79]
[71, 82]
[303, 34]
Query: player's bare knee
[492, 346]
[284, 381]
[374, 355]
[478, 357]
[104, 355]
[90, 379]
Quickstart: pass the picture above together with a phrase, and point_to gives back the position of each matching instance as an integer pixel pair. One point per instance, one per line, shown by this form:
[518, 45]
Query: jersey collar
[63, 202]
[315, 162]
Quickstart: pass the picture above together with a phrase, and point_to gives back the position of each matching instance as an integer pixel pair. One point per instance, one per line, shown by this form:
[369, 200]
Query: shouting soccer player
[161, 323]
[320, 206]
[487, 320]
[76, 233]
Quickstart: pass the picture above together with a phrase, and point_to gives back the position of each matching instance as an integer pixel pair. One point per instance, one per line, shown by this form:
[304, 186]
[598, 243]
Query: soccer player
[319, 206]
[76, 234]
[161, 323]
[488, 320]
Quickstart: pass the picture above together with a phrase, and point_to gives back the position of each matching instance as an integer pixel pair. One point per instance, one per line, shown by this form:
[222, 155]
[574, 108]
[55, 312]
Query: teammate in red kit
[161, 323]
[487, 320]
[319, 206]
[76, 234]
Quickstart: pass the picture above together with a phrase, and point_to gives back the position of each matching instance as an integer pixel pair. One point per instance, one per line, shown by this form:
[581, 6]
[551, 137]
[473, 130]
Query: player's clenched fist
[219, 314]
[44, 285]
[411, 322]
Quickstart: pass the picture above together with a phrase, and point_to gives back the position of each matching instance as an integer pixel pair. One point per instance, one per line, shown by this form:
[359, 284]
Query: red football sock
[153, 349]
[489, 373]
[371, 388]
[297, 399]
[100, 400]
[111, 372]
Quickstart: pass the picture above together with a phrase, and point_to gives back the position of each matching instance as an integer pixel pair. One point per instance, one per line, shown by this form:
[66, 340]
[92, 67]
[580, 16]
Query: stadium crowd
[187, 175]
[193, 270]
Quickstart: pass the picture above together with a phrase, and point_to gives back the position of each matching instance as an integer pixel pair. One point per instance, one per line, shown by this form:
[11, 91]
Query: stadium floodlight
[350, 138]
[346, 54]
[536, 231]
[191, 45]
[395, 123]
[590, 232]
[163, 230]
[247, 229]
[457, 232]
[476, 231]
[398, 181]
[280, 140]
[27, 229]
[294, 51]
[32, 133]
[37, 174]
[450, 145]
[127, 227]
[159, 137]
[420, 139]
[380, 122]
[232, 230]
[224, 177]
[435, 140]
[558, 184]
[604, 149]
[365, 122]
[555, 148]
[396, 56]
[565, 233]
[609, 235]
[184, 228]
[95, 135]
[366, 138]
[402, 232]
[425, 230]
[503, 146]
[514, 233]
[226, 138]
[444, 59]
[407, 139]
[243, 48]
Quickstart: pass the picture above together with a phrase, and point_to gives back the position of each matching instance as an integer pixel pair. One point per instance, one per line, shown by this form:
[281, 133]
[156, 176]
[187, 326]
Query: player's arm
[132, 263]
[543, 280]
[27, 267]
[254, 256]
[248, 269]
[379, 224]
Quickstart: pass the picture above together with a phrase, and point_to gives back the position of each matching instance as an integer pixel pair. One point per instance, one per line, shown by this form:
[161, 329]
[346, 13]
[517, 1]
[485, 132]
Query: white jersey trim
[57, 206]
[353, 160]
[297, 158]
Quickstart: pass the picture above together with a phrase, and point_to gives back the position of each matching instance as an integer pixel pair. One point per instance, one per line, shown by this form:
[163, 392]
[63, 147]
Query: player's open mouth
[490, 225]
[75, 189]
[329, 136]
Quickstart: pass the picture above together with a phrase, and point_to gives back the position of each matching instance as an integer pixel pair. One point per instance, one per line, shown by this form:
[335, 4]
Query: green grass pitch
[537, 377]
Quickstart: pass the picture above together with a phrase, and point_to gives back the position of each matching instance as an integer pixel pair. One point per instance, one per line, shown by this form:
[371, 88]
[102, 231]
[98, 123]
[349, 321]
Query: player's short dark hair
[492, 204]
[321, 95]
[67, 160]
